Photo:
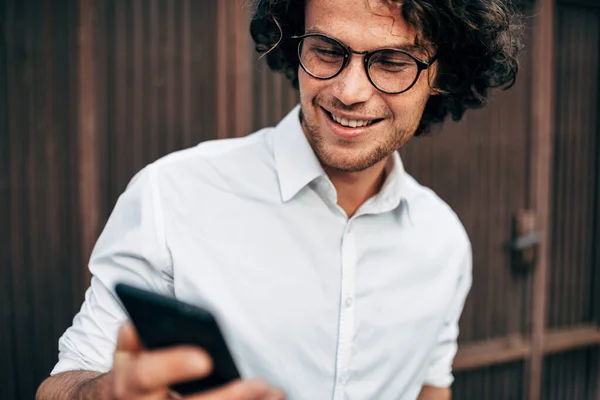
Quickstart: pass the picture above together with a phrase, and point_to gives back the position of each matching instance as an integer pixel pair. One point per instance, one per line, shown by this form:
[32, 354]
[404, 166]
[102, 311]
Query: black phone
[162, 322]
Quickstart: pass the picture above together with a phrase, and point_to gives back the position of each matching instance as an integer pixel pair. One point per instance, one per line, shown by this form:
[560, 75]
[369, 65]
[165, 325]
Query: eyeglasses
[391, 71]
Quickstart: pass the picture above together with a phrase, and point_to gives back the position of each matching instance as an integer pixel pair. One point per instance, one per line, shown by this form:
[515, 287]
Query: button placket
[346, 322]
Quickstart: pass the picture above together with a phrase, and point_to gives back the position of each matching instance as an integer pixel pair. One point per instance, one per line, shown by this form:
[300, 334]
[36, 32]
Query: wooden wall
[90, 92]
[166, 80]
[40, 270]
[156, 88]
[479, 166]
[575, 199]
[574, 272]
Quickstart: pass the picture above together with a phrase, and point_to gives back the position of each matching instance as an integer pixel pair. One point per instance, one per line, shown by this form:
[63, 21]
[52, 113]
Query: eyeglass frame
[421, 65]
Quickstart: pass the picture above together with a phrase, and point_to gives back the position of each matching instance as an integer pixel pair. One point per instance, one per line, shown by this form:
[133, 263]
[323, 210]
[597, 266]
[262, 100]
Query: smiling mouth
[351, 123]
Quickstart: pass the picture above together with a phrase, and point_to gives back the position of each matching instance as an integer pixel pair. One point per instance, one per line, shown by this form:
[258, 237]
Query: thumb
[128, 340]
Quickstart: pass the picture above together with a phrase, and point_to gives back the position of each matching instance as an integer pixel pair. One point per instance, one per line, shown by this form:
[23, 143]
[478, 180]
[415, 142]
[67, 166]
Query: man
[333, 273]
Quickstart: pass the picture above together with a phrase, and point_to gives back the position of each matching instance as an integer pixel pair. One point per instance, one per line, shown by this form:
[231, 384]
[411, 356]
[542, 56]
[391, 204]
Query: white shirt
[321, 305]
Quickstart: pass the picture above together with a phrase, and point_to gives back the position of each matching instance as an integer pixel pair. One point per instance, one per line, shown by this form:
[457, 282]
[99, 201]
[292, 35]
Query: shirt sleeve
[439, 372]
[131, 249]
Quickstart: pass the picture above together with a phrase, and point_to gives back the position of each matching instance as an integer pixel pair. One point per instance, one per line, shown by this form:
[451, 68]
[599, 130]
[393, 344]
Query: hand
[140, 374]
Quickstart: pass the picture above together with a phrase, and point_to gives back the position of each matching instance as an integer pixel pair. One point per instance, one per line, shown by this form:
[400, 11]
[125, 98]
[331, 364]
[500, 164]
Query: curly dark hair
[476, 41]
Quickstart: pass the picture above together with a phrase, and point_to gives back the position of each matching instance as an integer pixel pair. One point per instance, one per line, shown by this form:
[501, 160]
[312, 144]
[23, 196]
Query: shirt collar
[297, 165]
[394, 191]
[394, 186]
[295, 159]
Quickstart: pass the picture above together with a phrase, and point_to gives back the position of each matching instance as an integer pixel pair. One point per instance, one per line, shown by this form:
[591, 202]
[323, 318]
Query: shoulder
[219, 150]
[210, 159]
[206, 172]
[432, 214]
[438, 231]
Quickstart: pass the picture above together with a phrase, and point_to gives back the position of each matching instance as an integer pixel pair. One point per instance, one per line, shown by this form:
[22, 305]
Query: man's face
[363, 25]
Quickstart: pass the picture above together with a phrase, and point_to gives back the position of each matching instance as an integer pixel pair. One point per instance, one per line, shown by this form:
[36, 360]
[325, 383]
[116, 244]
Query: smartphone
[162, 322]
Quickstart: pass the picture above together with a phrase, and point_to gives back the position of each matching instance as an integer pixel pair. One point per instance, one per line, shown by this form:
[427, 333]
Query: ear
[434, 91]
[432, 80]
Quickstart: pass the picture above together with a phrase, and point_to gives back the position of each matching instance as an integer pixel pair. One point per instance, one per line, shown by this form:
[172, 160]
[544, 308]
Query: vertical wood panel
[153, 131]
[571, 375]
[595, 281]
[244, 108]
[500, 382]
[138, 132]
[50, 162]
[222, 94]
[541, 161]
[186, 75]
[8, 373]
[88, 132]
[35, 175]
[106, 122]
[574, 167]
[119, 105]
[173, 141]
[20, 113]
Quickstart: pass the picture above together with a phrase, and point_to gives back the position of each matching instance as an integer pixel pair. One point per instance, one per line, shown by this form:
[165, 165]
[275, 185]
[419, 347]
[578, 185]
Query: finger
[275, 394]
[174, 395]
[128, 339]
[238, 390]
[159, 369]
[128, 345]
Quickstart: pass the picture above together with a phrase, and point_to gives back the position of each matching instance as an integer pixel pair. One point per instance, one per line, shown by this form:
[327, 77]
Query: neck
[355, 188]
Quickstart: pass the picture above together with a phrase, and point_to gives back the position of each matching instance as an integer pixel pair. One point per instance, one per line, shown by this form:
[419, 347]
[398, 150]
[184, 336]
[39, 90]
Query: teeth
[353, 123]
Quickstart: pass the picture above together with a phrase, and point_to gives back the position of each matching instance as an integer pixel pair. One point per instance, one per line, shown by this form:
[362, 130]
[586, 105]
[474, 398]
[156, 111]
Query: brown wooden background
[91, 91]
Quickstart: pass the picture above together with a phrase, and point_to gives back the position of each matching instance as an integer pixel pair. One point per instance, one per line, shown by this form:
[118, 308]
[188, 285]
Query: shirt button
[349, 302]
[343, 377]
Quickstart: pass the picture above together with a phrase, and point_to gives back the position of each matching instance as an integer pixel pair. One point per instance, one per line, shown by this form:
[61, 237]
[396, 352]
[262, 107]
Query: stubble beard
[361, 159]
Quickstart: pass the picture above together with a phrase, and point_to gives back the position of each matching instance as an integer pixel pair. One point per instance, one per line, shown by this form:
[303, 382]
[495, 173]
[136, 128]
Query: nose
[352, 86]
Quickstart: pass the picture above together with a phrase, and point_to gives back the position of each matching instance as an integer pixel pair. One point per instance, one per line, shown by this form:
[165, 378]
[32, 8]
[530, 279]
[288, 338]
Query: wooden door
[535, 146]
[480, 166]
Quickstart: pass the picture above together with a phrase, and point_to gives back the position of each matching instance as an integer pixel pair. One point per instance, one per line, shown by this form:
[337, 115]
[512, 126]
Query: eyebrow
[405, 47]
